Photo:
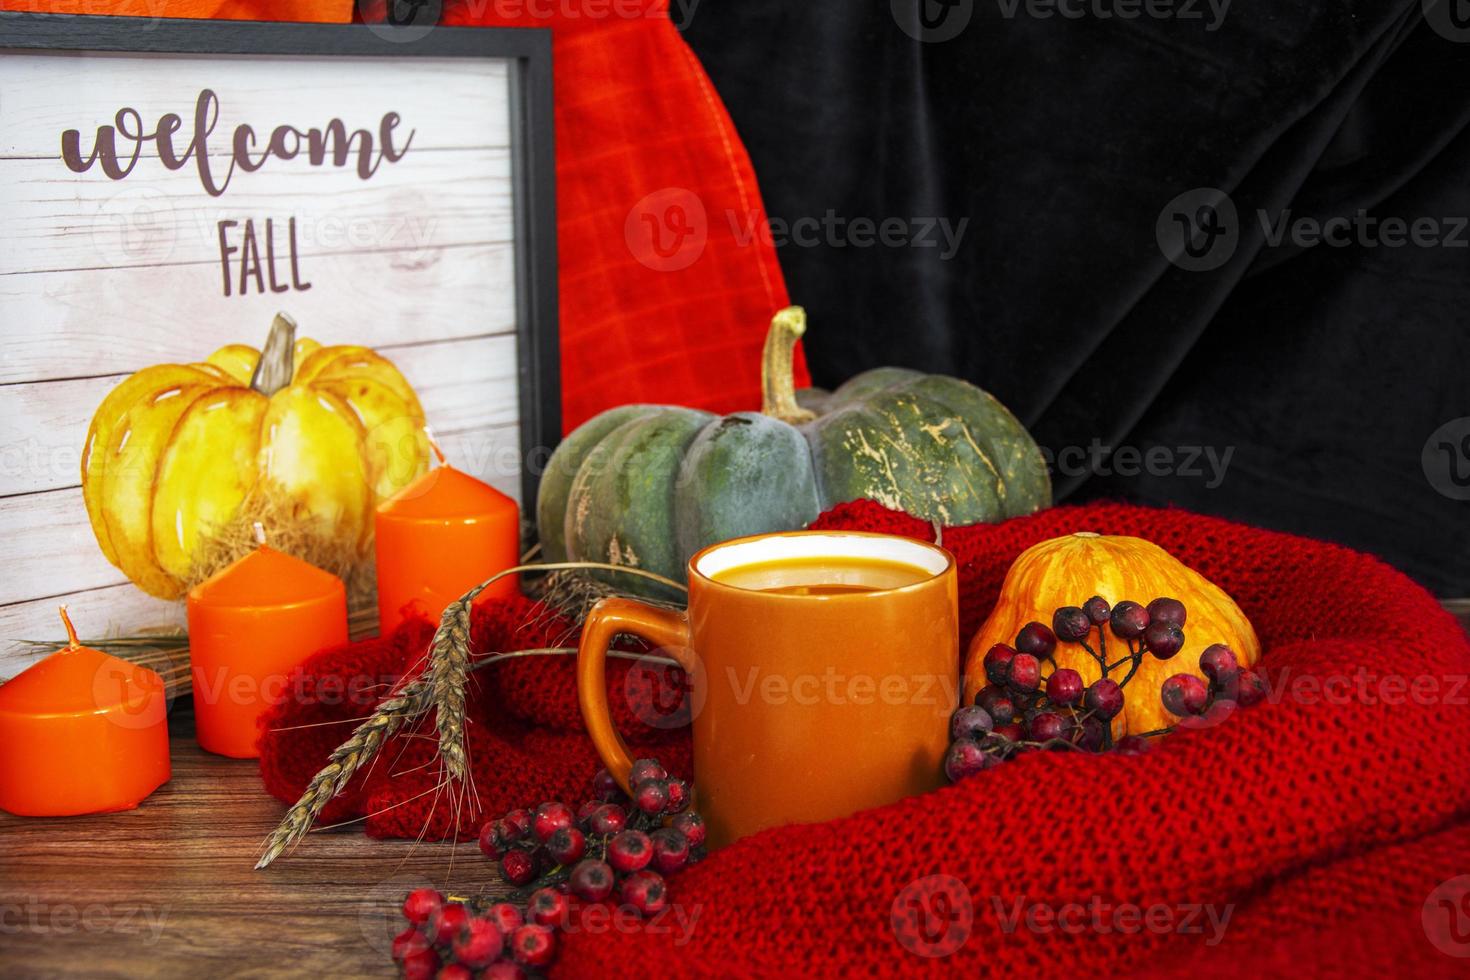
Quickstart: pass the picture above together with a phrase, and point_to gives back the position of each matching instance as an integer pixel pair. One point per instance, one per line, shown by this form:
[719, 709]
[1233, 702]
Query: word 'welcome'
[118, 147]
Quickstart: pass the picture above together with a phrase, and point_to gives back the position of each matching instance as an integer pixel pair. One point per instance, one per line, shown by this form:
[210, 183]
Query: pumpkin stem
[778, 386]
[273, 371]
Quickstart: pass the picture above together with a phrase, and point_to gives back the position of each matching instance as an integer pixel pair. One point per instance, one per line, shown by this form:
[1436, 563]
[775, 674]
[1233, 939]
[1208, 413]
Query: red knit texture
[1319, 821]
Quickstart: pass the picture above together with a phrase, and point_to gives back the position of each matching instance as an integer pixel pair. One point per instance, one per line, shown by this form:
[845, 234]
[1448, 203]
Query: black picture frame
[533, 159]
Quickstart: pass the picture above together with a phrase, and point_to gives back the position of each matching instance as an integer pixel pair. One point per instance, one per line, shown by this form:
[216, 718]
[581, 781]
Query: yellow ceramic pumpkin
[1069, 570]
[176, 449]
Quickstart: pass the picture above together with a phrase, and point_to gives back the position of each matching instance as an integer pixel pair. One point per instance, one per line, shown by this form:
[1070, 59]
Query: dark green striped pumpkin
[649, 485]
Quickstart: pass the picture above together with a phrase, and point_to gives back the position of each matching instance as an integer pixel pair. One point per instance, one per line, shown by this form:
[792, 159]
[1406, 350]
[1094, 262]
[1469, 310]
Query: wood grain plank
[167, 889]
[467, 387]
[252, 91]
[116, 610]
[462, 384]
[491, 454]
[112, 321]
[425, 201]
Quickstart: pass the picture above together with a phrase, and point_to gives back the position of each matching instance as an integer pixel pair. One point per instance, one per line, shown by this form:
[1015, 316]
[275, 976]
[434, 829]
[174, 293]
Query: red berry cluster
[1026, 707]
[608, 847]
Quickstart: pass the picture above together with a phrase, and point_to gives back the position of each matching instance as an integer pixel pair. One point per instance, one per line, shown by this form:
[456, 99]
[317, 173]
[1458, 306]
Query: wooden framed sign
[168, 187]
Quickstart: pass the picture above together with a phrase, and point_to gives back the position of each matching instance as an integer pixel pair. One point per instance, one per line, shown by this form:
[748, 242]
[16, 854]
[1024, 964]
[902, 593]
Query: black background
[1061, 140]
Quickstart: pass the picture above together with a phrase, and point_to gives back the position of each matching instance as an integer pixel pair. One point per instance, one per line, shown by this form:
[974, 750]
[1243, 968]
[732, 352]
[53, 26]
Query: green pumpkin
[649, 485]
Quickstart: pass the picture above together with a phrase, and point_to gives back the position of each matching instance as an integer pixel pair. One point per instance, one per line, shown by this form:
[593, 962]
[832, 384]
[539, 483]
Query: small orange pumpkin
[1067, 571]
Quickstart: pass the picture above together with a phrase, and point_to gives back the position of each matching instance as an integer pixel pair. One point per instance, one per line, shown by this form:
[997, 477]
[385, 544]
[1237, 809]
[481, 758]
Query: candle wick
[259, 533]
[434, 445]
[72, 642]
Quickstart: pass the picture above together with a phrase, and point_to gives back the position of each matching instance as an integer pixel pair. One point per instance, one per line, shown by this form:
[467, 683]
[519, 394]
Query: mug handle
[664, 628]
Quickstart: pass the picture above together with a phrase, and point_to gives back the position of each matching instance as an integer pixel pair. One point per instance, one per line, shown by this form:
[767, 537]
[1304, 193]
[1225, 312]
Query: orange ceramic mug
[805, 707]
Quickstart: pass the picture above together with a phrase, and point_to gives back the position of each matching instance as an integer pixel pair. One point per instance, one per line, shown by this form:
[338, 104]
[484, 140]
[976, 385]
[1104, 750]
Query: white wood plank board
[121, 609]
[89, 323]
[101, 277]
[58, 220]
[462, 384]
[253, 91]
[118, 610]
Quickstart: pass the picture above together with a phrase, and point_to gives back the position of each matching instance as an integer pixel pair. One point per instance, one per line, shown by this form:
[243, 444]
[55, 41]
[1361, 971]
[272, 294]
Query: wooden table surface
[167, 889]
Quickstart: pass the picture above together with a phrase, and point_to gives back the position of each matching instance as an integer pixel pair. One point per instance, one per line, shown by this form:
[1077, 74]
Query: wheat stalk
[346, 759]
[449, 657]
[441, 685]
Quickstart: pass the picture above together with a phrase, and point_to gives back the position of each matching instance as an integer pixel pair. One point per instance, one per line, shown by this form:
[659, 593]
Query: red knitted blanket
[1324, 830]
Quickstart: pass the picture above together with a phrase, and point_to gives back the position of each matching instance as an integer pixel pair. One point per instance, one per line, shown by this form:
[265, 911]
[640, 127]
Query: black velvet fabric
[1318, 375]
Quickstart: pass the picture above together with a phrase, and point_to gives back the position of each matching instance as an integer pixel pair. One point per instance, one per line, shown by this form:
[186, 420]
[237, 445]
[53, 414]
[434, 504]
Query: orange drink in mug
[824, 668]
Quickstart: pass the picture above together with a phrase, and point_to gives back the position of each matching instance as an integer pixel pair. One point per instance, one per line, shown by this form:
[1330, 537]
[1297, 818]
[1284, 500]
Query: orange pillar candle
[81, 732]
[249, 624]
[439, 537]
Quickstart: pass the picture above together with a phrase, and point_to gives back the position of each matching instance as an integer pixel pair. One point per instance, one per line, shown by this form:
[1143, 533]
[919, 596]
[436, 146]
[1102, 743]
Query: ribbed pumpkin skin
[175, 450]
[649, 486]
[1067, 571]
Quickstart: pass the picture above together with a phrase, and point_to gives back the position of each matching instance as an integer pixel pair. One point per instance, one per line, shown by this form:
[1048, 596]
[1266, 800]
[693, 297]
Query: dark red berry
[533, 945]
[1047, 725]
[645, 891]
[551, 817]
[1037, 640]
[517, 867]
[517, 825]
[447, 922]
[1129, 620]
[1250, 688]
[998, 663]
[1097, 610]
[608, 819]
[1070, 623]
[421, 904]
[1166, 610]
[970, 721]
[567, 845]
[646, 769]
[678, 795]
[1064, 687]
[1215, 713]
[997, 704]
[1132, 745]
[1025, 673]
[454, 971]
[547, 907]
[651, 796]
[507, 917]
[407, 942]
[670, 850]
[691, 825]
[503, 970]
[1007, 733]
[605, 787]
[585, 809]
[591, 880]
[478, 944]
[421, 965]
[964, 759]
[1184, 694]
[489, 840]
[630, 851]
[1089, 734]
[1104, 698]
[1163, 639]
[1218, 663]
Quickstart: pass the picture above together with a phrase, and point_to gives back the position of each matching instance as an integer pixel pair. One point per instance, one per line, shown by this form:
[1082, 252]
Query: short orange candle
[81, 732]
[439, 537]
[249, 624]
